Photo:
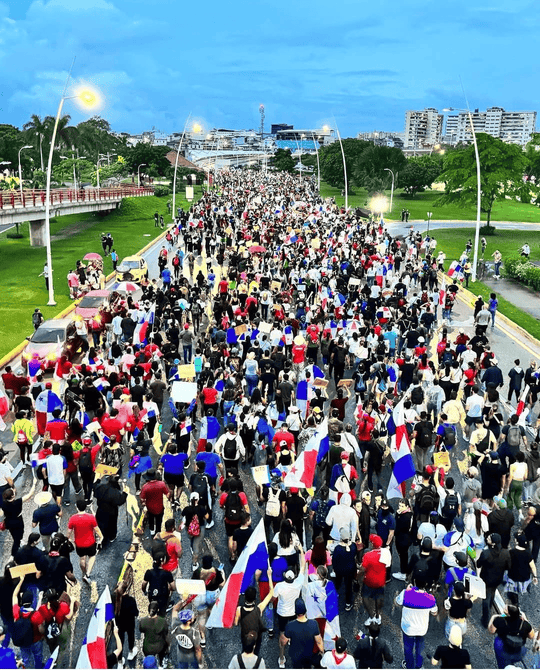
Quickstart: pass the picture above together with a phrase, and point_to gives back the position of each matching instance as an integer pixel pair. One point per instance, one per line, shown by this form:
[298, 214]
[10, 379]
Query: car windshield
[48, 335]
[132, 265]
[91, 301]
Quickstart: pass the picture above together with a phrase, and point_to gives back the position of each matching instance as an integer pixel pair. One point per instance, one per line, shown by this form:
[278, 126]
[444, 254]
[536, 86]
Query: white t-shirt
[328, 661]
[436, 533]
[474, 405]
[417, 607]
[56, 464]
[6, 470]
[287, 594]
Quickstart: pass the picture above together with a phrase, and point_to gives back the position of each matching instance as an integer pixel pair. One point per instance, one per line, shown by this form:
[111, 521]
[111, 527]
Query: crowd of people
[306, 320]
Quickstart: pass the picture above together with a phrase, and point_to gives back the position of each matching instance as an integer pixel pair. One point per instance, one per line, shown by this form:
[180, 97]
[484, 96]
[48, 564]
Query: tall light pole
[344, 167]
[27, 146]
[429, 215]
[318, 164]
[479, 187]
[139, 174]
[41, 151]
[392, 190]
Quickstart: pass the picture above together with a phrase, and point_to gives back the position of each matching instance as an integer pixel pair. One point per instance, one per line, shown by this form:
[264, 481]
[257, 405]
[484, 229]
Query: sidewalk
[520, 296]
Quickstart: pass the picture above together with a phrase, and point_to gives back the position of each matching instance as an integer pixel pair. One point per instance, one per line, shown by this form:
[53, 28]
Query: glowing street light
[88, 99]
[379, 203]
[392, 191]
[27, 146]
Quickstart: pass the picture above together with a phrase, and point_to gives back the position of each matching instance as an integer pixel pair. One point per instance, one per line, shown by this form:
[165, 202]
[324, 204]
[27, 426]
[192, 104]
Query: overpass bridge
[17, 207]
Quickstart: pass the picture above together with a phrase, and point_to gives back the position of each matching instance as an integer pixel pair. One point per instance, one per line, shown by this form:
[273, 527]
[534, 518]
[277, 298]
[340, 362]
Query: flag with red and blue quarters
[144, 326]
[209, 429]
[48, 401]
[253, 557]
[401, 453]
[322, 603]
[302, 472]
[93, 652]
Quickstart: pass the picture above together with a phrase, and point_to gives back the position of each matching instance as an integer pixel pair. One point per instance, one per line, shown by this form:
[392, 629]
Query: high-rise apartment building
[512, 127]
[423, 129]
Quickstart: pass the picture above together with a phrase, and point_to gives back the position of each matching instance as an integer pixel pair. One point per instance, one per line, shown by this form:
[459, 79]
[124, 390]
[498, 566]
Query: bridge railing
[64, 196]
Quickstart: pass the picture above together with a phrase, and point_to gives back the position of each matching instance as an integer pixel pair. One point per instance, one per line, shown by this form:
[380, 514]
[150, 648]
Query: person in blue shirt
[213, 464]
[457, 574]
[174, 463]
[7, 655]
[166, 277]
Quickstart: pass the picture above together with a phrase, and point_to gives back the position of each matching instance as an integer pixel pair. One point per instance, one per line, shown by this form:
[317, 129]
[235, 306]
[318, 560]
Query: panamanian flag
[401, 453]
[93, 652]
[253, 557]
[145, 324]
[454, 269]
[522, 403]
[322, 603]
[48, 401]
[302, 472]
[209, 429]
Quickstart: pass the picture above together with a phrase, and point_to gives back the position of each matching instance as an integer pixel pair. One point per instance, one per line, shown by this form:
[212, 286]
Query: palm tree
[35, 132]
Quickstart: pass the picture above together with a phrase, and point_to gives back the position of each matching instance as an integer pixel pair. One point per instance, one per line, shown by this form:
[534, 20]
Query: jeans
[36, 651]
[448, 626]
[506, 657]
[346, 577]
[188, 349]
[228, 416]
[493, 312]
[410, 642]
[252, 381]
[487, 604]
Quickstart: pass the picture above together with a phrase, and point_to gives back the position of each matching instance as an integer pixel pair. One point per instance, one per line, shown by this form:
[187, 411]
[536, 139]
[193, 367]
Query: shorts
[87, 551]
[57, 490]
[283, 621]
[205, 600]
[231, 527]
[471, 420]
[372, 592]
[173, 481]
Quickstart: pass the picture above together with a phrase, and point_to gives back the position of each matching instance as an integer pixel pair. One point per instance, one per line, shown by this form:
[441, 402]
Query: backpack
[176, 261]
[22, 437]
[417, 395]
[447, 357]
[428, 499]
[53, 630]
[85, 461]
[450, 508]
[425, 436]
[229, 450]
[22, 633]
[514, 436]
[449, 436]
[241, 663]
[112, 457]
[233, 506]
[484, 443]
[273, 506]
[200, 486]
[514, 642]
[194, 528]
[321, 513]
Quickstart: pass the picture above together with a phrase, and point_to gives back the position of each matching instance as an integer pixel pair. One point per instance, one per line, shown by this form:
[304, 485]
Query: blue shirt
[385, 524]
[173, 464]
[7, 657]
[212, 460]
[166, 276]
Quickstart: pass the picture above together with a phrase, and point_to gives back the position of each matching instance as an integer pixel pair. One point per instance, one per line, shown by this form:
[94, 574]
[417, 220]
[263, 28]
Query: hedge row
[523, 271]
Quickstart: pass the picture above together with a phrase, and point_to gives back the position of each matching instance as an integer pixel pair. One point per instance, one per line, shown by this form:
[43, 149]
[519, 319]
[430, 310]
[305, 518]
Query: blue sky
[364, 63]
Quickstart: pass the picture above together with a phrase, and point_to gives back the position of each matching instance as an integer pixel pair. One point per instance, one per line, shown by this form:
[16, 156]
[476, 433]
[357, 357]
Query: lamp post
[318, 164]
[89, 99]
[344, 168]
[139, 174]
[176, 166]
[479, 187]
[392, 190]
[41, 151]
[429, 215]
[27, 146]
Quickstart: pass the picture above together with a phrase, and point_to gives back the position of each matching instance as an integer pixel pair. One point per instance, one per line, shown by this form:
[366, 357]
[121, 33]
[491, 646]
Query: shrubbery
[487, 230]
[160, 190]
[523, 271]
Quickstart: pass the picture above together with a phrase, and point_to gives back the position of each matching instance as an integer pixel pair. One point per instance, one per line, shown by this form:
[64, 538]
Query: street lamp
[315, 143]
[429, 215]
[344, 167]
[41, 151]
[87, 98]
[27, 146]
[479, 187]
[392, 191]
[176, 166]
[139, 174]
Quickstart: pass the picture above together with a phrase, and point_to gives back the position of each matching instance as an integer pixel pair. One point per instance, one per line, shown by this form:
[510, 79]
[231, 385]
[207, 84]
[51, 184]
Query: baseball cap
[376, 541]
[185, 615]
[194, 495]
[344, 455]
[283, 443]
[288, 576]
[294, 489]
[150, 662]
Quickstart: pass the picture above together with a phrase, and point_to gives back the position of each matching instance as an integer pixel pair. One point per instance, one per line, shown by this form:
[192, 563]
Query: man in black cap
[302, 634]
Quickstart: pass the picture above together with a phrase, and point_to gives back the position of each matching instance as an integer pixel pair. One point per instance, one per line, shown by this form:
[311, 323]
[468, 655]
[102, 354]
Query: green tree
[532, 154]
[419, 173]
[283, 161]
[501, 173]
[11, 140]
[369, 169]
[95, 137]
[36, 132]
[331, 160]
[150, 156]
[110, 173]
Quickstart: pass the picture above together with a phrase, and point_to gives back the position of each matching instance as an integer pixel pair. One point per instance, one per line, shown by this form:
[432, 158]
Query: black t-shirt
[295, 507]
[302, 635]
[459, 607]
[158, 584]
[241, 537]
[54, 577]
[492, 566]
[452, 657]
[371, 653]
[506, 626]
[189, 512]
[520, 569]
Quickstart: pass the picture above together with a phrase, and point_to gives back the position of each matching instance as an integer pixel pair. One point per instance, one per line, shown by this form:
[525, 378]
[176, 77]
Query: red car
[94, 303]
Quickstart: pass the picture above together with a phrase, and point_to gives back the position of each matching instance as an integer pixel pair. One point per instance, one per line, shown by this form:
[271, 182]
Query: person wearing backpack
[510, 441]
[423, 439]
[23, 431]
[194, 521]
[446, 433]
[274, 497]
[449, 503]
[28, 627]
[199, 482]
[87, 457]
[248, 658]
[230, 447]
[233, 502]
[511, 631]
[426, 498]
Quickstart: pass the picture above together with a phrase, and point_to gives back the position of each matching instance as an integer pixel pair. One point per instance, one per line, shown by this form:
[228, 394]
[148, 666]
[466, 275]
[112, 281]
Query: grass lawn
[504, 210]
[509, 242]
[73, 236]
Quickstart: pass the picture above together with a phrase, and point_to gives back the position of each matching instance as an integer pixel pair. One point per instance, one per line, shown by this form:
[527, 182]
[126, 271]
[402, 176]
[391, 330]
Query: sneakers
[78, 492]
[195, 566]
[67, 503]
[210, 525]
[400, 576]
[348, 607]
[369, 621]
[377, 620]
[281, 662]
[133, 653]
[86, 580]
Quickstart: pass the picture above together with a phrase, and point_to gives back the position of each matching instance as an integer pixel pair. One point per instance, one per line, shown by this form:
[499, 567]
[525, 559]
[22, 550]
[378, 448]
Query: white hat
[294, 409]
[43, 498]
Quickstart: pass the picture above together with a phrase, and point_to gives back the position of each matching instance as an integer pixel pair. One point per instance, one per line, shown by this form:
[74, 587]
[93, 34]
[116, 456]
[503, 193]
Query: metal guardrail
[10, 200]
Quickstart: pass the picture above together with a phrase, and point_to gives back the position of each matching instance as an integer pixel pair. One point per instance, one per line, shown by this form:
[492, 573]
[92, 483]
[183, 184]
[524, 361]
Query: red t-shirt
[112, 427]
[83, 526]
[223, 286]
[210, 396]
[59, 616]
[375, 576]
[57, 429]
[35, 617]
[283, 435]
[152, 495]
[243, 500]
[173, 547]
[298, 353]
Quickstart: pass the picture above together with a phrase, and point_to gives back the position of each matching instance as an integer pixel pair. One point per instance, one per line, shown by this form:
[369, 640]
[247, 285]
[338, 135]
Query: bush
[488, 230]
[161, 190]
[522, 271]
[14, 236]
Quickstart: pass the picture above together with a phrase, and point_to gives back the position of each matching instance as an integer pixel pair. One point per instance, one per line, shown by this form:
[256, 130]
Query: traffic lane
[402, 228]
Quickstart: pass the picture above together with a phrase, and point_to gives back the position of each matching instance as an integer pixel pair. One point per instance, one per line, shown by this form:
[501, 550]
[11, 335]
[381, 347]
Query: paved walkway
[520, 296]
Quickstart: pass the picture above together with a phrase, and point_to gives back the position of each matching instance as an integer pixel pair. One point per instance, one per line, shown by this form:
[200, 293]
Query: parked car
[54, 338]
[132, 268]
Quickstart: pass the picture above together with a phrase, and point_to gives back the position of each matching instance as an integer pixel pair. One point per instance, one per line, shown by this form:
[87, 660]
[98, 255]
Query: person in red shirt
[172, 546]
[152, 499]
[58, 611]
[57, 427]
[83, 528]
[209, 397]
[374, 571]
[299, 354]
[26, 611]
[223, 287]
[13, 383]
[281, 436]
[113, 425]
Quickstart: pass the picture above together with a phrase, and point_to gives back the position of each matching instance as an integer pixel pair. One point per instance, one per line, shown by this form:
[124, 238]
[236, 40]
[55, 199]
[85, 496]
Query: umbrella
[92, 256]
[257, 249]
[126, 287]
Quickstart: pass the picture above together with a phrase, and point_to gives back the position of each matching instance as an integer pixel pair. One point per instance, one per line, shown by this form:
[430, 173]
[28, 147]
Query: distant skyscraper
[423, 129]
[511, 127]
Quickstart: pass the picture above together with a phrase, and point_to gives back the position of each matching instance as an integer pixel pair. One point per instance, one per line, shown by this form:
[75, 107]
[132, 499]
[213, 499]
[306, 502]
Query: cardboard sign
[276, 307]
[354, 281]
[320, 383]
[275, 286]
[190, 587]
[241, 329]
[347, 383]
[442, 459]
[20, 570]
[265, 327]
[103, 470]
[186, 371]
[475, 586]
[261, 474]
[183, 391]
